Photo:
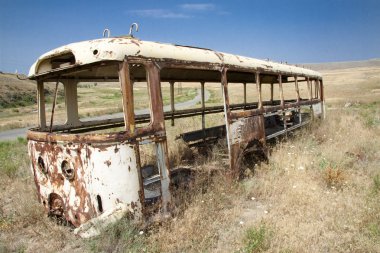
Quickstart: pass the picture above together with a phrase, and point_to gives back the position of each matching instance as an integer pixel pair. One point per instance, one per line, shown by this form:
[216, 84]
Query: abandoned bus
[84, 167]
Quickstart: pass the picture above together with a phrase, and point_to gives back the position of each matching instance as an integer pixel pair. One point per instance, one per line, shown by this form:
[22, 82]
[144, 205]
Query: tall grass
[320, 191]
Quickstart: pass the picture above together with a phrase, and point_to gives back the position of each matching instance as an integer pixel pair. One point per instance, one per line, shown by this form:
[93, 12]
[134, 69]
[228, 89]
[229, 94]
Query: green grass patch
[112, 96]
[185, 95]
[256, 239]
[374, 230]
[13, 158]
[370, 113]
[376, 184]
[215, 97]
[122, 236]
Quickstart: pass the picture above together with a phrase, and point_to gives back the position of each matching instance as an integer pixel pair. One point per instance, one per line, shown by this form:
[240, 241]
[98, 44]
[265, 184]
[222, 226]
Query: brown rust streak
[138, 164]
[34, 165]
[224, 83]
[90, 138]
[127, 92]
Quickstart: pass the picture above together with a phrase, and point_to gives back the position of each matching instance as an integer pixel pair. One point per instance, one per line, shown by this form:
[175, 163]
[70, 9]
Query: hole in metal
[100, 206]
[95, 52]
[67, 171]
[55, 205]
[41, 165]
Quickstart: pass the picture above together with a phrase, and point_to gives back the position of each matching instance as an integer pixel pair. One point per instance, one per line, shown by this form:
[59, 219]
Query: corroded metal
[127, 92]
[41, 105]
[101, 175]
[53, 108]
[243, 133]
[172, 108]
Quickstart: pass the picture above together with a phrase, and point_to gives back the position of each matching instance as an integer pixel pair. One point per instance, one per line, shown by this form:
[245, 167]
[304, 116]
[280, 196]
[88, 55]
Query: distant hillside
[343, 65]
[15, 92]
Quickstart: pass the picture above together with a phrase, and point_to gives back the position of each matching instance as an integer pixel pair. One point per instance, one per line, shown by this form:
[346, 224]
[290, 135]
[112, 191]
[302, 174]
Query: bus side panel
[78, 182]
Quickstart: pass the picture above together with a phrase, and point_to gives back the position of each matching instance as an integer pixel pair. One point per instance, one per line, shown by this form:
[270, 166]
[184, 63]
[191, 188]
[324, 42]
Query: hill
[343, 65]
[15, 92]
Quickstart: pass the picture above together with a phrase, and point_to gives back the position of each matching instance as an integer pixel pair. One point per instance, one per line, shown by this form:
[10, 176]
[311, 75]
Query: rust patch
[238, 58]
[135, 42]
[220, 56]
[108, 163]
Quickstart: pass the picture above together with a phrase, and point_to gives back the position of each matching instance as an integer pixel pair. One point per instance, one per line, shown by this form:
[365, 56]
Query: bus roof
[117, 48]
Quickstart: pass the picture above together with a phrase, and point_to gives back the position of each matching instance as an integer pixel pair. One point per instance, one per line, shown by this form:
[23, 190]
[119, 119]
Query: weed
[5, 222]
[376, 184]
[374, 230]
[122, 236]
[323, 163]
[256, 239]
[334, 177]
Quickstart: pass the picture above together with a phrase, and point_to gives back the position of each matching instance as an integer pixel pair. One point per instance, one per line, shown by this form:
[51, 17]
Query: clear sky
[297, 31]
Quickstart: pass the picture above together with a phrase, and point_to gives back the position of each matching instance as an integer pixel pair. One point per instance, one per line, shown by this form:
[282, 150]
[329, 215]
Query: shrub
[334, 177]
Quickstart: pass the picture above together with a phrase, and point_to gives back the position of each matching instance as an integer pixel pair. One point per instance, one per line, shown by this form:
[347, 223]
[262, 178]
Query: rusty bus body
[80, 173]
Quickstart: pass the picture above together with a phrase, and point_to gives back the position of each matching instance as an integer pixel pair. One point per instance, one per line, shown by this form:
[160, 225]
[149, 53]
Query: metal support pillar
[41, 105]
[172, 109]
[245, 94]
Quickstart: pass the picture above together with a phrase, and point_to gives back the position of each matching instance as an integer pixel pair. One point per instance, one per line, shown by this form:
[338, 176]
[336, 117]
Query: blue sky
[293, 31]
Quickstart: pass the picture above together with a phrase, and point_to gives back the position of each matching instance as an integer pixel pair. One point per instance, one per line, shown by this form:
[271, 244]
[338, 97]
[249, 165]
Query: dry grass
[24, 226]
[319, 192]
[291, 204]
[352, 85]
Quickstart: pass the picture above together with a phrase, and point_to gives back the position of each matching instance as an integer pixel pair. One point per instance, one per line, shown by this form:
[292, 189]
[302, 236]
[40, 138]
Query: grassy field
[319, 192]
